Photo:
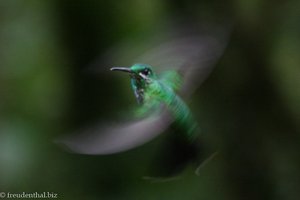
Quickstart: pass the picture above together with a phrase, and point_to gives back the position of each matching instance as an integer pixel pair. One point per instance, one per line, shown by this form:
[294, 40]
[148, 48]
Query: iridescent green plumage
[153, 92]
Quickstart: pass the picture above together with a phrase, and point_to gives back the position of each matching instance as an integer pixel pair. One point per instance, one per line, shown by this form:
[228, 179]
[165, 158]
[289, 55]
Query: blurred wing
[192, 53]
[114, 139]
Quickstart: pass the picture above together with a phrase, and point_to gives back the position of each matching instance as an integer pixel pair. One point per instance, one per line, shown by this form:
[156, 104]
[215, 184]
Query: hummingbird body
[153, 93]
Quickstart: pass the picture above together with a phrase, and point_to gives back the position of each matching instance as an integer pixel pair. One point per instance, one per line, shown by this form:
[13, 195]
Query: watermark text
[28, 195]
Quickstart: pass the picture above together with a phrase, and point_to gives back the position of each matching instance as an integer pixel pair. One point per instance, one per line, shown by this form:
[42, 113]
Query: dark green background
[249, 106]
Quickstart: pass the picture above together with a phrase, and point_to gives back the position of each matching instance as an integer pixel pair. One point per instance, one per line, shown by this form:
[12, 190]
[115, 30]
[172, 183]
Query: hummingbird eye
[146, 72]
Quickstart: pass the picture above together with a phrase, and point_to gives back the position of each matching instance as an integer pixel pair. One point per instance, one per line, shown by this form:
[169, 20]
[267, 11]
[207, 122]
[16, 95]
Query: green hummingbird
[179, 67]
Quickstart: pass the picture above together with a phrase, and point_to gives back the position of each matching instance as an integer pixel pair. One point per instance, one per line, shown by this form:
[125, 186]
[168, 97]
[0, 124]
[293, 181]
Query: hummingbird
[161, 91]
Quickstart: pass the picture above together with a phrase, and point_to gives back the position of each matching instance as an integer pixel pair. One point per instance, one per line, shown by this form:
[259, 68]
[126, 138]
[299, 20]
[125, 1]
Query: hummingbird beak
[122, 69]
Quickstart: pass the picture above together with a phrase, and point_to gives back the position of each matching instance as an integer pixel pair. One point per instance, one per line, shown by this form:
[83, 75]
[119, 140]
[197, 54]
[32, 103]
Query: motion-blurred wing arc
[114, 139]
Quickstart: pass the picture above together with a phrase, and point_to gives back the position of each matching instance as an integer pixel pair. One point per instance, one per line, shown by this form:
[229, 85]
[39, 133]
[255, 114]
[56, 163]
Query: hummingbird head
[137, 71]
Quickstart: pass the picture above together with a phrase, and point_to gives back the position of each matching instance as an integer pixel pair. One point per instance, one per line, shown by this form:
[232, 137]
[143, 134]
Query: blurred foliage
[249, 106]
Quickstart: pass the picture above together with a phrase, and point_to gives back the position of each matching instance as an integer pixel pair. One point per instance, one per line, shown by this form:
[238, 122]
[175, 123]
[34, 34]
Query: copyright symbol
[2, 194]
